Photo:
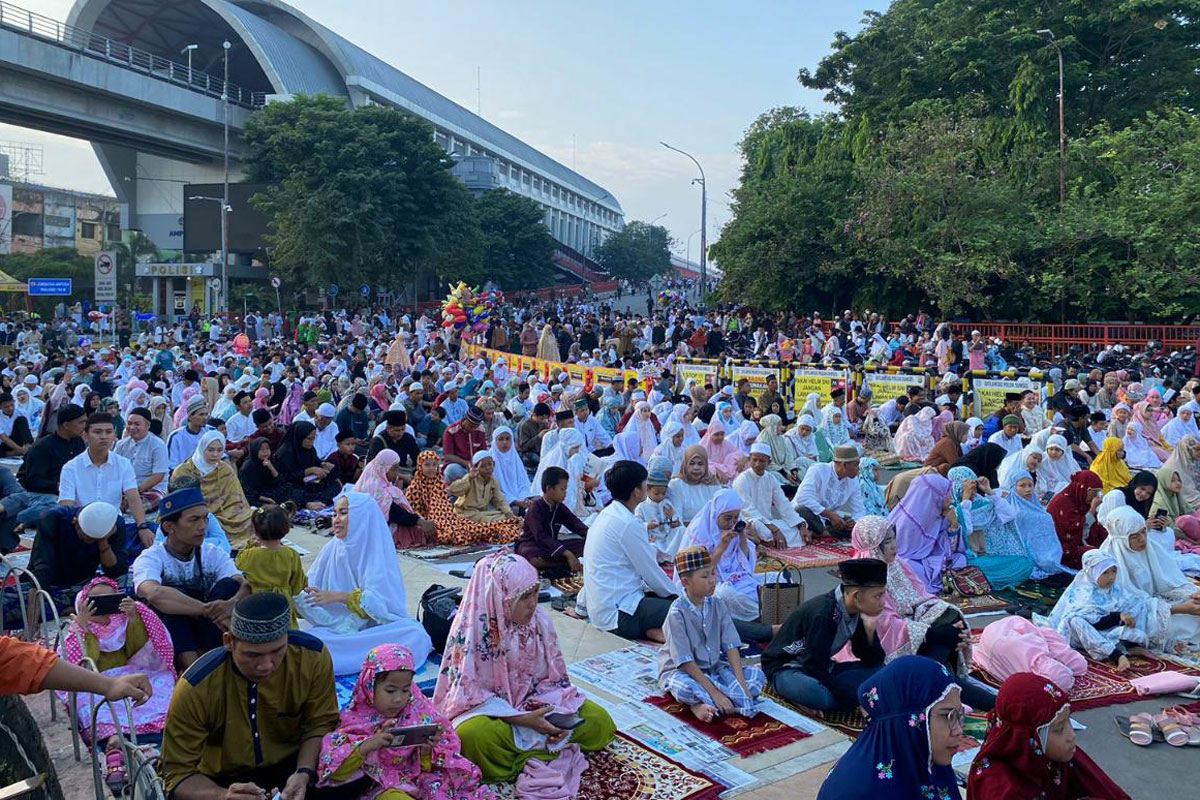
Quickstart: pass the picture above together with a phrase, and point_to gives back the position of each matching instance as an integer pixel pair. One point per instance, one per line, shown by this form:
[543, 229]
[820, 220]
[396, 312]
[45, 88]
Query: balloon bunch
[668, 296]
[465, 307]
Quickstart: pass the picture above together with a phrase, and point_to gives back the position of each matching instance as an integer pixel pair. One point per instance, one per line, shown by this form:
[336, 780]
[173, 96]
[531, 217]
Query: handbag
[966, 582]
[436, 612]
[777, 599]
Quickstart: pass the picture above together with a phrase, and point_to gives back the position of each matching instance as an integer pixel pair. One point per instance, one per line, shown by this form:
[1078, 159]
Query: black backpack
[436, 612]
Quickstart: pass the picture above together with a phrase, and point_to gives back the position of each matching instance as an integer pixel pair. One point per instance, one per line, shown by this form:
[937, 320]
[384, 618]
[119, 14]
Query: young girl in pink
[384, 699]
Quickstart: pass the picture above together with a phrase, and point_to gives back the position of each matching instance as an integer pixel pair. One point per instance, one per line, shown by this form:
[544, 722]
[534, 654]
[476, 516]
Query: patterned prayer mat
[1102, 685]
[568, 586]
[1040, 597]
[976, 605]
[743, 736]
[436, 551]
[626, 770]
[850, 723]
[824, 553]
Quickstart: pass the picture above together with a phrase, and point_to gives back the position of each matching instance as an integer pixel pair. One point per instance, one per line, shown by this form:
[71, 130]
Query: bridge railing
[123, 55]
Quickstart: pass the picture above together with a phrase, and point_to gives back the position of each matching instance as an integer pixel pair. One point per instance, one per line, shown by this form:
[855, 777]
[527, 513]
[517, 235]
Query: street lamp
[225, 197]
[689, 247]
[1048, 35]
[225, 209]
[703, 217]
[191, 48]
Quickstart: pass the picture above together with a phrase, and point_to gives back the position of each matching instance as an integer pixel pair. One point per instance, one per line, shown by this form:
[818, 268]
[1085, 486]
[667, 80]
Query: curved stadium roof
[289, 53]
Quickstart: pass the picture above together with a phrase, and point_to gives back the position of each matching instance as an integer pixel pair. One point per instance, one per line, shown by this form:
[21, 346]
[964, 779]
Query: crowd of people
[168, 468]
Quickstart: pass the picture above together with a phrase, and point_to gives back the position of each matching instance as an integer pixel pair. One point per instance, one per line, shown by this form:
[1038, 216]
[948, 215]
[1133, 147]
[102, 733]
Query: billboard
[202, 218]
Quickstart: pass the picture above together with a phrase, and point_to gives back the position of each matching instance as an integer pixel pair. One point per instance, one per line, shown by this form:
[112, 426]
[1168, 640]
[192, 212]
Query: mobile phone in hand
[414, 735]
[565, 722]
[106, 604]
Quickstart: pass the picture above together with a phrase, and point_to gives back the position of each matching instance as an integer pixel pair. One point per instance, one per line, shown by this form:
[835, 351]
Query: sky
[595, 85]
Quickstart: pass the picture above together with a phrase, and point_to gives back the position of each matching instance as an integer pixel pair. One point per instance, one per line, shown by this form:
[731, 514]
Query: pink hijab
[723, 458]
[939, 424]
[1144, 413]
[399, 768]
[487, 655]
[261, 395]
[181, 413]
[374, 481]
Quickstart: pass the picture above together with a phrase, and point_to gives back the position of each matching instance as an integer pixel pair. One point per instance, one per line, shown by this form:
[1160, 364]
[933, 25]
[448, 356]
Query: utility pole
[703, 218]
[225, 196]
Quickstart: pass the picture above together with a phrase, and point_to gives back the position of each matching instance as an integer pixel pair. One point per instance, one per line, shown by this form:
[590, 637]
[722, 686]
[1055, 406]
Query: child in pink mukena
[385, 699]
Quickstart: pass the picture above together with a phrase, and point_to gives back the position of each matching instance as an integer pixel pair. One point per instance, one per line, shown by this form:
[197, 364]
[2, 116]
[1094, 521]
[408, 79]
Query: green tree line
[935, 183]
[366, 196]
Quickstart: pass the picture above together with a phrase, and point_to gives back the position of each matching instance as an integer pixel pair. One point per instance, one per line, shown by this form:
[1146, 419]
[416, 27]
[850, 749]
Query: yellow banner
[821, 381]
[702, 374]
[989, 392]
[888, 387]
[757, 377]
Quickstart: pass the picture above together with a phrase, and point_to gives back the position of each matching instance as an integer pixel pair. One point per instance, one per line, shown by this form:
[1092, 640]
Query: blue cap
[179, 501]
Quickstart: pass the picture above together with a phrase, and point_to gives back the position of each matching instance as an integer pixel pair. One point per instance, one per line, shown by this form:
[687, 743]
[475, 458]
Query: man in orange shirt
[26, 668]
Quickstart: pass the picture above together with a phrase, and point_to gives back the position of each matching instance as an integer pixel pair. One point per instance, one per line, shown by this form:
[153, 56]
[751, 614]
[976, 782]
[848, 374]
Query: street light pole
[703, 218]
[1048, 35]
[689, 248]
[225, 196]
[191, 48]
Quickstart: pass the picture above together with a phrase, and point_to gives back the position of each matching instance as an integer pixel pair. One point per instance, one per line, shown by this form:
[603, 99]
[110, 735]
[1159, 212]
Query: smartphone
[1162, 512]
[566, 722]
[107, 603]
[740, 526]
[415, 735]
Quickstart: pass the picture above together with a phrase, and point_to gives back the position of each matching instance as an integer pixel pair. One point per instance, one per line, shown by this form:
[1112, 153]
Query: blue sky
[616, 77]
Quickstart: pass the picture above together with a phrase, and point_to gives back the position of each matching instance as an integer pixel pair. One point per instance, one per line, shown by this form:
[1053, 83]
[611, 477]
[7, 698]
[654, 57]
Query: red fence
[1058, 339]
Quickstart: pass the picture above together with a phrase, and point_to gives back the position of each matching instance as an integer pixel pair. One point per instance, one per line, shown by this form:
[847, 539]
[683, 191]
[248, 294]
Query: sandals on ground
[1175, 735]
[1141, 729]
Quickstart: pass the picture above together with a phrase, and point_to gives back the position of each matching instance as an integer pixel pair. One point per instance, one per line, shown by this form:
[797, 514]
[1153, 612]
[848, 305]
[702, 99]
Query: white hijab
[198, 460]
[1055, 473]
[690, 435]
[1153, 570]
[510, 472]
[1176, 429]
[1137, 450]
[806, 446]
[667, 449]
[1017, 461]
[365, 559]
[548, 457]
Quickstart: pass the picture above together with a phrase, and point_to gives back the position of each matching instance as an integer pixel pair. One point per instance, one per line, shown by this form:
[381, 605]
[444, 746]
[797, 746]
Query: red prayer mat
[758, 734]
[1102, 685]
[627, 770]
[822, 553]
[851, 723]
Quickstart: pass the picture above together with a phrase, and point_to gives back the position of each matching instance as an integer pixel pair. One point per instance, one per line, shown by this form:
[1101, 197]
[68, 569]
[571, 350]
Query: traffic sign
[214, 284]
[333, 290]
[106, 276]
[275, 281]
[43, 287]
[364, 290]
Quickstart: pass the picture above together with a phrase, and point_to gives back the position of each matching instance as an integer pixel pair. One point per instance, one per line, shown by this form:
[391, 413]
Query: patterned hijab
[488, 655]
[110, 636]
[374, 481]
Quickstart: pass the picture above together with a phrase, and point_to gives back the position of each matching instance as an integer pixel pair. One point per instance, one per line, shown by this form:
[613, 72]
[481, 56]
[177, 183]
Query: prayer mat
[627, 770]
[436, 551]
[1102, 685]
[758, 734]
[1038, 596]
[982, 604]
[568, 586]
[822, 553]
[850, 723]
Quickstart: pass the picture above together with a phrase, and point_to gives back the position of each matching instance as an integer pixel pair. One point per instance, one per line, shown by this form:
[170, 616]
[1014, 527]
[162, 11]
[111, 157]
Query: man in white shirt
[1009, 435]
[595, 438]
[327, 432]
[308, 410]
[764, 506]
[829, 498]
[625, 589]
[100, 474]
[148, 454]
[240, 427]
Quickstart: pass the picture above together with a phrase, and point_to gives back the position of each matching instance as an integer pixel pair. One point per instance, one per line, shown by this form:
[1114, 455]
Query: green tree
[638, 252]
[517, 246]
[362, 196]
[57, 262]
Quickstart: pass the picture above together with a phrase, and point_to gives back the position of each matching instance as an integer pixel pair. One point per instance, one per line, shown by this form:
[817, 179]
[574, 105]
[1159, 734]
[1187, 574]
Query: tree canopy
[367, 196]
[937, 177]
[638, 252]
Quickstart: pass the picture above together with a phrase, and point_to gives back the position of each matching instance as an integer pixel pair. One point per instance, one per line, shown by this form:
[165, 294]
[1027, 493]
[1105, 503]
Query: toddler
[657, 511]
[270, 565]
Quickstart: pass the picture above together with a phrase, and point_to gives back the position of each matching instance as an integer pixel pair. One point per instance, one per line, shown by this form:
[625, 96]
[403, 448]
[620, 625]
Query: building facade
[45, 216]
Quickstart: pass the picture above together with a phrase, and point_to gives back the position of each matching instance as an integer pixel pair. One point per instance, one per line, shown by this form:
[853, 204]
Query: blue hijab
[1036, 527]
[891, 758]
[872, 492]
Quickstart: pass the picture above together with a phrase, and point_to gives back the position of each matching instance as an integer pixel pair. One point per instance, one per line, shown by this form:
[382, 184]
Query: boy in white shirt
[662, 523]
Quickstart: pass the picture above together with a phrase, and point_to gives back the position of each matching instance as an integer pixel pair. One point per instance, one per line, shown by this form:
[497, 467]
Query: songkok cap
[760, 449]
[581, 403]
[480, 456]
[96, 520]
[863, 572]
[836, 393]
[658, 471]
[70, 412]
[846, 453]
[197, 403]
[261, 618]
[475, 415]
[1010, 397]
[179, 501]
[395, 417]
[326, 410]
[1010, 419]
[564, 416]
[690, 559]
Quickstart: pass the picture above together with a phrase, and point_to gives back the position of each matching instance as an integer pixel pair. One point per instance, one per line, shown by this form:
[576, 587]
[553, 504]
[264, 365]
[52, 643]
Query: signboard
[106, 277]
[702, 374]
[333, 290]
[889, 387]
[821, 381]
[174, 270]
[757, 377]
[364, 290]
[989, 392]
[275, 281]
[47, 287]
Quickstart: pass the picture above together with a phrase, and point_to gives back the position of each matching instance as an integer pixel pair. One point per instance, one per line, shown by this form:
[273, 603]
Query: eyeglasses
[953, 718]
